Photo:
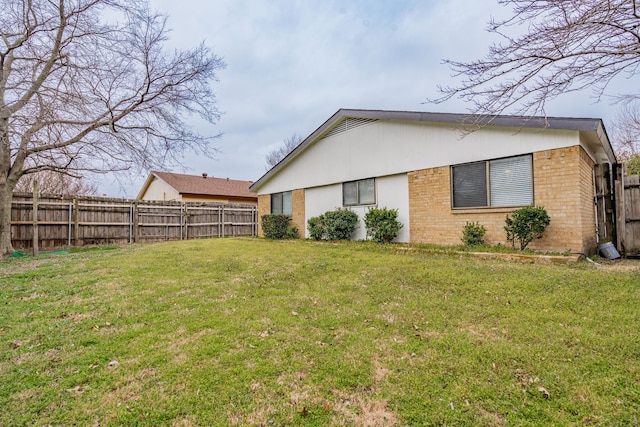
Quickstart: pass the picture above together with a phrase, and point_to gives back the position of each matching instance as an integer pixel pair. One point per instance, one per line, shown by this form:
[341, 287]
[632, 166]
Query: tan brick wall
[297, 217]
[561, 184]
[589, 241]
[264, 208]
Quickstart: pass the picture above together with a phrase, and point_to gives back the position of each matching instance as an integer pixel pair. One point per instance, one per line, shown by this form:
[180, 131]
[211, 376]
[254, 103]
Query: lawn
[257, 332]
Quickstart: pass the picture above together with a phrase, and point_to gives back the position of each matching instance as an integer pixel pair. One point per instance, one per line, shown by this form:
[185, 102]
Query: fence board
[103, 221]
[632, 215]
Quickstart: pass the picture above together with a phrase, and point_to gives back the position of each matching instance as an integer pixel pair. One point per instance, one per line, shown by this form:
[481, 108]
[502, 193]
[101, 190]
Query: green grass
[256, 332]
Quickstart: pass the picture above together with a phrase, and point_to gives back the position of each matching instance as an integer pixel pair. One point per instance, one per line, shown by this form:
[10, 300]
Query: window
[361, 192]
[494, 183]
[281, 203]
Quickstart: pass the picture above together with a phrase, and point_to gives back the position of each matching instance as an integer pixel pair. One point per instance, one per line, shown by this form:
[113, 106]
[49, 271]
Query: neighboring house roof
[593, 128]
[201, 185]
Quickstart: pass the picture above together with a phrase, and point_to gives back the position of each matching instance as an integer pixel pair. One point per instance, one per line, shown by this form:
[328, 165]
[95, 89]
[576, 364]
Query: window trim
[487, 164]
[358, 200]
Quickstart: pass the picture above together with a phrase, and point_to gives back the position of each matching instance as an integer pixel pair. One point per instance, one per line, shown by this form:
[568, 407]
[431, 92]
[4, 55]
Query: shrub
[274, 226]
[473, 234]
[526, 224]
[382, 224]
[315, 225]
[333, 225]
[292, 232]
[340, 224]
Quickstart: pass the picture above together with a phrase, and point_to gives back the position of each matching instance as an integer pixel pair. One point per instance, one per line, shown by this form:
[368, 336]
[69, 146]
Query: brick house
[440, 171]
[169, 186]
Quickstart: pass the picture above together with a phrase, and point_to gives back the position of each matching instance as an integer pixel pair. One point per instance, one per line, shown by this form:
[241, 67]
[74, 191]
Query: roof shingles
[208, 186]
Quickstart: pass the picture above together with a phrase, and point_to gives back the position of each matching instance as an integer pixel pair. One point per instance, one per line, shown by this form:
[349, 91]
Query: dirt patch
[380, 371]
[493, 419]
[485, 335]
[32, 296]
[22, 267]
[621, 265]
[527, 258]
[360, 411]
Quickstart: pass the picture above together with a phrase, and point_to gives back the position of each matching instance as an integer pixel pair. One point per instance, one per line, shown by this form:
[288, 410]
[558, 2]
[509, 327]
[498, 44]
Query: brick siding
[297, 217]
[264, 208]
[562, 184]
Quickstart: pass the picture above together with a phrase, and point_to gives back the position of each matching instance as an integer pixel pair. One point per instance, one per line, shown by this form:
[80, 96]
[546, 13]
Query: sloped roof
[199, 185]
[594, 127]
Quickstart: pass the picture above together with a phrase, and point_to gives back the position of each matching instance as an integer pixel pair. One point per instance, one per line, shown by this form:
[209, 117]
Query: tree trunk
[6, 196]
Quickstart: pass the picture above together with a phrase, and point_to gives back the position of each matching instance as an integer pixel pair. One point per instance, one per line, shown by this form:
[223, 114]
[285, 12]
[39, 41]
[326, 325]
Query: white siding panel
[160, 190]
[392, 192]
[388, 148]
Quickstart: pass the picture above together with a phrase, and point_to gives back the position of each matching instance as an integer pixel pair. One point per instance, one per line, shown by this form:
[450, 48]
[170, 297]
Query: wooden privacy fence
[628, 215]
[102, 221]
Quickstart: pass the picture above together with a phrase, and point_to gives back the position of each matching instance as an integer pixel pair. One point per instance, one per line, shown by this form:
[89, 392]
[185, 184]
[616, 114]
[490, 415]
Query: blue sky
[292, 64]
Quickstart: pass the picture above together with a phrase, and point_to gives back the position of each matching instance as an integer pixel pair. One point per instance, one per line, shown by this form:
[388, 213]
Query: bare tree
[626, 131]
[288, 145]
[626, 137]
[89, 85]
[56, 183]
[567, 46]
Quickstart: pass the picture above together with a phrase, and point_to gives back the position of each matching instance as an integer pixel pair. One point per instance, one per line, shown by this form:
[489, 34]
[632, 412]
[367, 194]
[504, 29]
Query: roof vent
[347, 124]
[204, 174]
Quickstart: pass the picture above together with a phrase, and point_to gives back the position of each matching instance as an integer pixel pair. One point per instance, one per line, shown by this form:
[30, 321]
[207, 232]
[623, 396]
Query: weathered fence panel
[630, 234]
[104, 221]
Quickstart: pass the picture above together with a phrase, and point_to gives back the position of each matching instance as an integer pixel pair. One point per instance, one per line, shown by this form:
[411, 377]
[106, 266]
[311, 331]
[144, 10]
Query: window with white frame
[493, 183]
[362, 192]
[281, 203]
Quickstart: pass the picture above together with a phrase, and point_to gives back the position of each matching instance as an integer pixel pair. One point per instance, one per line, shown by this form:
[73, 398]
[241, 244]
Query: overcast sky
[292, 64]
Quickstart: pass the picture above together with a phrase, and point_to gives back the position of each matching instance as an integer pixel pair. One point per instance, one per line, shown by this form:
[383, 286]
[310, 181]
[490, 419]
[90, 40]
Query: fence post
[184, 221]
[136, 222]
[621, 221]
[70, 224]
[36, 190]
[76, 222]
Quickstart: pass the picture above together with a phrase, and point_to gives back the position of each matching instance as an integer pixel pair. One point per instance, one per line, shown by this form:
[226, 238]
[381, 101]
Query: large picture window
[281, 203]
[494, 183]
[362, 192]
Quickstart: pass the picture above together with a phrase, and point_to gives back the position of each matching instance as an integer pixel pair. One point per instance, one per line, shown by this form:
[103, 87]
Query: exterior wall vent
[347, 124]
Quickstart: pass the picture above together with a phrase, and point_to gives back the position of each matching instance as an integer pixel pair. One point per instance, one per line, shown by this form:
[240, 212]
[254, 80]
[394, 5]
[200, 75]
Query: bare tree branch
[79, 92]
[568, 46]
[626, 131]
[275, 156]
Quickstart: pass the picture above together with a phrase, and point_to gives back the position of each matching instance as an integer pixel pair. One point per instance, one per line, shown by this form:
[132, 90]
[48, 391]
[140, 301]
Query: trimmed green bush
[473, 234]
[274, 226]
[292, 232]
[333, 225]
[526, 224]
[315, 225]
[382, 224]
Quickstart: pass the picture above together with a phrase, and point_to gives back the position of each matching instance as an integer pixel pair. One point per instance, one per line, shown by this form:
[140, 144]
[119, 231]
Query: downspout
[595, 205]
